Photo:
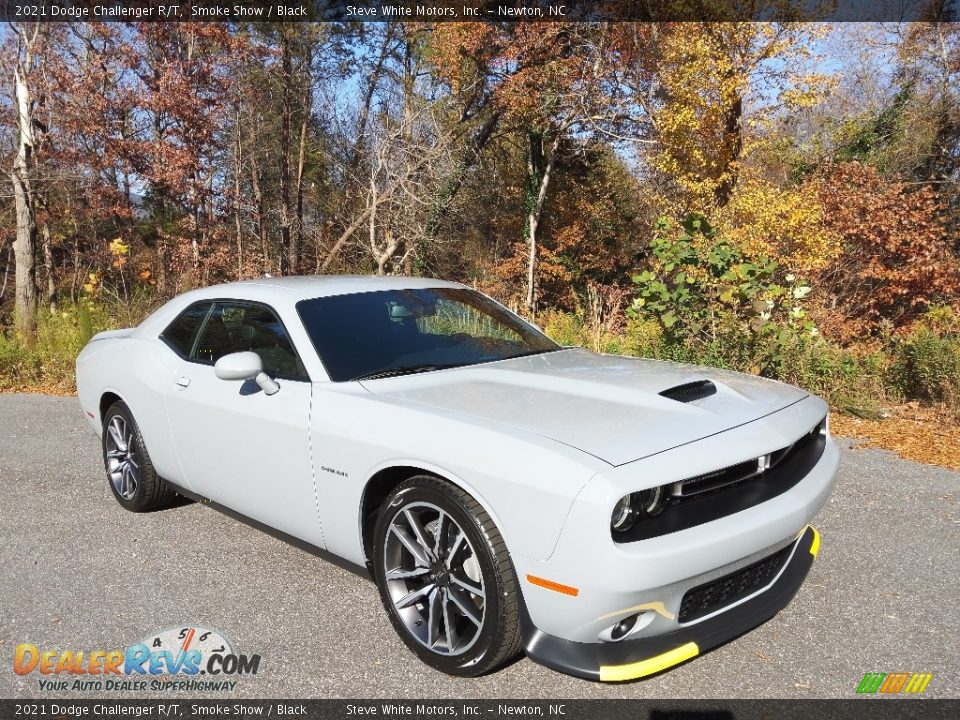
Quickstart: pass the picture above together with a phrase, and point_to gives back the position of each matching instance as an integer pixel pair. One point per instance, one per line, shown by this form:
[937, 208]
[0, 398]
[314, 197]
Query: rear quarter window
[181, 334]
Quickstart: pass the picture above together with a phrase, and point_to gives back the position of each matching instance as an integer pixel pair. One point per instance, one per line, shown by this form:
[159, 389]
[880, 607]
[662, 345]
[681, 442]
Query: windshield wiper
[405, 370]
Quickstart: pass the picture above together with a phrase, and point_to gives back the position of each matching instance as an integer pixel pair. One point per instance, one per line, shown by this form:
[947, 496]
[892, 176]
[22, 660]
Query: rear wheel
[130, 474]
[445, 578]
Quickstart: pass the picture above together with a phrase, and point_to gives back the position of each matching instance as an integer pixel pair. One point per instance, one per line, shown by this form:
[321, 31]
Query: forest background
[779, 198]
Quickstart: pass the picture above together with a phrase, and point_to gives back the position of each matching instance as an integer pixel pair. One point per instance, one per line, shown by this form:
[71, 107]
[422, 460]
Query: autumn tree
[411, 150]
[731, 98]
[929, 57]
[27, 64]
[896, 258]
[546, 81]
[591, 237]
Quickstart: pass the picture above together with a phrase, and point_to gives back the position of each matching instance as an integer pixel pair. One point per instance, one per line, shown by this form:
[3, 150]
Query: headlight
[623, 515]
[636, 506]
[651, 500]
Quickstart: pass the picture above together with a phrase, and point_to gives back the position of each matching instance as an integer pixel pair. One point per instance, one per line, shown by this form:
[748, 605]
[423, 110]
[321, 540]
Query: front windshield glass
[397, 332]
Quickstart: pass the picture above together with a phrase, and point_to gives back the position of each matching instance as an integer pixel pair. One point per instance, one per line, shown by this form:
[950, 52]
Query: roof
[279, 291]
[309, 286]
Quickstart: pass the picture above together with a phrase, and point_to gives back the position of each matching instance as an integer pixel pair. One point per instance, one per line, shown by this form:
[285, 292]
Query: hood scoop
[688, 392]
[595, 402]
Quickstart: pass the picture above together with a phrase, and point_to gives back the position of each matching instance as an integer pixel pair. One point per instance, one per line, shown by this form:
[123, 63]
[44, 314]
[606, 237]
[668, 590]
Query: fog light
[623, 627]
[629, 625]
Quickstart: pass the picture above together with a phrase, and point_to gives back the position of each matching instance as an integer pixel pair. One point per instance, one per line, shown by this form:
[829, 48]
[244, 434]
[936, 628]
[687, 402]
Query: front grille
[718, 479]
[741, 472]
[712, 596]
[707, 497]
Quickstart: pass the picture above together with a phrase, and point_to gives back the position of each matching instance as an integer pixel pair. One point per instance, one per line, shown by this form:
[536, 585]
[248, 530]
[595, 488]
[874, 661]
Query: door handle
[183, 381]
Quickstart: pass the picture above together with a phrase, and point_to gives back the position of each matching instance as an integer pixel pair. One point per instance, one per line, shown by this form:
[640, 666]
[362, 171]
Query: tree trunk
[288, 252]
[25, 244]
[296, 239]
[372, 225]
[237, 170]
[539, 168]
[51, 298]
[261, 210]
[733, 148]
[162, 263]
[6, 273]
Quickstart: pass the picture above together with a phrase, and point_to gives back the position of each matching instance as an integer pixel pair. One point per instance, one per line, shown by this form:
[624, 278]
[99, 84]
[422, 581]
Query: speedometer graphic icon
[185, 638]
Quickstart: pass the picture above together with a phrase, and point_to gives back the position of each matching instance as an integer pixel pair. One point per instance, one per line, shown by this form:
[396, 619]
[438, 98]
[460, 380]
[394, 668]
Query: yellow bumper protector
[642, 668]
[815, 545]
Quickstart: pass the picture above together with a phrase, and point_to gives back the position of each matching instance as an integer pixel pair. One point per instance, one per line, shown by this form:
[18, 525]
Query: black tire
[497, 639]
[150, 491]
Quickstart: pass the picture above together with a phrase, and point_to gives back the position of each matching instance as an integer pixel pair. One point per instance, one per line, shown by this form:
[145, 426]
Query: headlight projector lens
[651, 501]
[636, 506]
[623, 515]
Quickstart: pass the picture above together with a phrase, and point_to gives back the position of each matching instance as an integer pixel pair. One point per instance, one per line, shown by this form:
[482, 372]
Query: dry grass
[56, 390]
[926, 435]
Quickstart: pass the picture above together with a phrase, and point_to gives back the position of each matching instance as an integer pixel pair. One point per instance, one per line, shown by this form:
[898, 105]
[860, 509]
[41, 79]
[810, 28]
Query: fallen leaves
[926, 435]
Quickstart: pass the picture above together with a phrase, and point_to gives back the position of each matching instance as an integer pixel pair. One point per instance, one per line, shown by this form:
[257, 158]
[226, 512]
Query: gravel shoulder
[81, 573]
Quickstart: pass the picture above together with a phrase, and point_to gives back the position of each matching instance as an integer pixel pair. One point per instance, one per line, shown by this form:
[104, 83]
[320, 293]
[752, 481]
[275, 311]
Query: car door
[238, 446]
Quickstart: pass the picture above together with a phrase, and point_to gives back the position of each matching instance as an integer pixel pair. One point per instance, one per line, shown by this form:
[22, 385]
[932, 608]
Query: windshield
[396, 332]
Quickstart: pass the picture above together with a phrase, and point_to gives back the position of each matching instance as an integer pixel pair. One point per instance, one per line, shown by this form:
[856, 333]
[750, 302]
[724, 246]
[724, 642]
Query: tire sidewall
[427, 489]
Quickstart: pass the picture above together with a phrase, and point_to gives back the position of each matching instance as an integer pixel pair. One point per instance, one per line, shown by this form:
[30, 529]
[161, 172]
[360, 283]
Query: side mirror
[245, 366]
[238, 366]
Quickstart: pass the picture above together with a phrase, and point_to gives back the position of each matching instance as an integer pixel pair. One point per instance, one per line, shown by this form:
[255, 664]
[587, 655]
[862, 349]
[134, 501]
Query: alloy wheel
[433, 578]
[123, 467]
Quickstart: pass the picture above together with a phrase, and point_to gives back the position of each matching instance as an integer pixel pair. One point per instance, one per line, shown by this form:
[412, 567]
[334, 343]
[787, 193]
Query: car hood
[605, 405]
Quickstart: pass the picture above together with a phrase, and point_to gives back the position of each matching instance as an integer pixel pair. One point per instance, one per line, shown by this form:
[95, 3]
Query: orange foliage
[896, 258]
[531, 69]
[590, 235]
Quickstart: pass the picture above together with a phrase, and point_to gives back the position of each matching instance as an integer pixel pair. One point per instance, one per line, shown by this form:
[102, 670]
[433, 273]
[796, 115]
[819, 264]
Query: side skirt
[358, 570]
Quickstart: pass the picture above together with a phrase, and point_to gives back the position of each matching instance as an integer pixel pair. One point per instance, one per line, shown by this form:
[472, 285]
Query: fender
[431, 469]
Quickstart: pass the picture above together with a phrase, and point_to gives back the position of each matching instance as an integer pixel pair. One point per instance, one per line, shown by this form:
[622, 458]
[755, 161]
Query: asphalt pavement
[79, 572]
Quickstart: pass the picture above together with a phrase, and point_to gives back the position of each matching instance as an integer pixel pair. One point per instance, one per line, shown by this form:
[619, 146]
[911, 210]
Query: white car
[610, 516]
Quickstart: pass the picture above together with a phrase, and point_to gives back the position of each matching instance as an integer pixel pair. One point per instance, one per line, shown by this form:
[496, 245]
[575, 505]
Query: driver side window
[237, 327]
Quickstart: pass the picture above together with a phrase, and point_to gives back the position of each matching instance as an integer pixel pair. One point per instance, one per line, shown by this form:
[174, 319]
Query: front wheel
[134, 482]
[445, 578]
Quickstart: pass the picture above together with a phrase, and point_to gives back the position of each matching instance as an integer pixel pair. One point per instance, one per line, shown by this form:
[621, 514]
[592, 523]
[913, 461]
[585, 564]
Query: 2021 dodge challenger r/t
[610, 516]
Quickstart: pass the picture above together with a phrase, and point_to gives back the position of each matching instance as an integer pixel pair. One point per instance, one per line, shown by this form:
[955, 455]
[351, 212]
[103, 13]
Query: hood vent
[688, 392]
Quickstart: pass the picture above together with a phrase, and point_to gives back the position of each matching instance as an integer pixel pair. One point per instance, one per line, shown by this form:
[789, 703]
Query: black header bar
[477, 10]
[185, 708]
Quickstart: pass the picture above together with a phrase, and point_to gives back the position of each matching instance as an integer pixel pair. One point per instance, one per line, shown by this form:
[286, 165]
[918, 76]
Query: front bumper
[630, 659]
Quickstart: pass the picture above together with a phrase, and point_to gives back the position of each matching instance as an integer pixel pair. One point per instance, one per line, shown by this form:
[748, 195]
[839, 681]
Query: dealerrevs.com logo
[187, 657]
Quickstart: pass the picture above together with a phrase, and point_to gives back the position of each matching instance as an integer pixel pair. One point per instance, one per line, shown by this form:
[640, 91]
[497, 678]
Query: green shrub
[927, 365]
[17, 364]
[48, 362]
[850, 379]
[564, 329]
[700, 287]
